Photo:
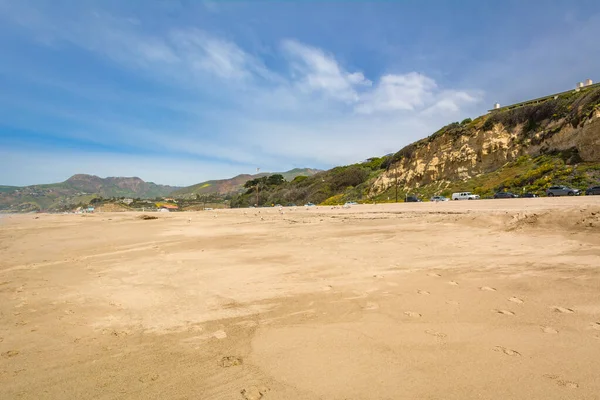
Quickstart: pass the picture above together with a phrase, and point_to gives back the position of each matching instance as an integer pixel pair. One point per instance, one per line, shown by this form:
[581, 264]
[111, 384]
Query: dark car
[529, 195]
[412, 199]
[505, 195]
[594, 190]
[562, 191]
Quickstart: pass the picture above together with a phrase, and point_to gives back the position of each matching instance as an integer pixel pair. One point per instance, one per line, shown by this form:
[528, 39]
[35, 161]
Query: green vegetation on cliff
[337, 185]
[525, 175]
[235, 184]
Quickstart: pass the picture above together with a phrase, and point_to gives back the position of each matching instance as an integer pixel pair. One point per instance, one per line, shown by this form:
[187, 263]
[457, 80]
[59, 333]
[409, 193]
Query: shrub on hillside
[574, 107]
[299, 179]
[352, 175]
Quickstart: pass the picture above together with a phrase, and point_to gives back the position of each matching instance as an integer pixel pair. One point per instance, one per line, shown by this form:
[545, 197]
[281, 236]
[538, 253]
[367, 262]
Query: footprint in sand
[435, 333]
[10, 354]
[487, 289]
[506, 351]
[595, 325]
[453, 283]
[548, 329]
[148, 378]
[371, 306]
[434, 275]
[516, 300]
[563, 310]
[425, 292]
[230, 361]
[254, 393]
[220, 334]
[562, 382]
[504, 312]
[412, 314]
[569, 384]
[452, 302]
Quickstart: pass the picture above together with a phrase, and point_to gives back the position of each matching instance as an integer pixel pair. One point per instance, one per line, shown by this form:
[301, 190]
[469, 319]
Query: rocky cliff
[569, 124]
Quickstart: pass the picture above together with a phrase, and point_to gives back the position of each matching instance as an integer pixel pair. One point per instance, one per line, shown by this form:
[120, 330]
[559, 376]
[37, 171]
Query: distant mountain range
[236, 184]
[81, 188]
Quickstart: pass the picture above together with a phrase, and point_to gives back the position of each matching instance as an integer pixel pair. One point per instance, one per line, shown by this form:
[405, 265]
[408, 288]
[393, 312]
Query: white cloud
[398, 92]
[451, 102]
[316, 71]
[200, 51]
[358, 78]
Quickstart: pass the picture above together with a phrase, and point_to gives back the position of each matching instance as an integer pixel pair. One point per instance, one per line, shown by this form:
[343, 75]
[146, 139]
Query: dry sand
[495, 299]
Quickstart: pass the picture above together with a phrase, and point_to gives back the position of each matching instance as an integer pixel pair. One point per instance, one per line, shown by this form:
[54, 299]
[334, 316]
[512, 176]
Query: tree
[276, 179]
[252, 183]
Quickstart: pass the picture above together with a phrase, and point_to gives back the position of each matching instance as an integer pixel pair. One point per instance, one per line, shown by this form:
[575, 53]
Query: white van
[464, 196]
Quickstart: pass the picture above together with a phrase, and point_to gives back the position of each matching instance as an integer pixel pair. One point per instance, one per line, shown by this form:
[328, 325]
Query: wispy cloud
[315, 71]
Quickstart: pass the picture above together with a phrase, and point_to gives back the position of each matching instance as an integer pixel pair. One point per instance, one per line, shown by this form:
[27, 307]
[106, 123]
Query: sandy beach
[489, 299]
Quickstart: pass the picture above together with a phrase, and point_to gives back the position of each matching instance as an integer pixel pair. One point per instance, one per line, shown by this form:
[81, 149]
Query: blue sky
[180, 91]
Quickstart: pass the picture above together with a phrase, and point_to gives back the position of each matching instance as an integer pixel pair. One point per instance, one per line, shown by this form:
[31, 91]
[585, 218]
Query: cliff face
[462, 151]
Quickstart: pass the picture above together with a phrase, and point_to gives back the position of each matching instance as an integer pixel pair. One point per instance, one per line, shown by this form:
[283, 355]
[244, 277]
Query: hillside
[236, 184]
[557, 141]
[522, 149]
[77, 189]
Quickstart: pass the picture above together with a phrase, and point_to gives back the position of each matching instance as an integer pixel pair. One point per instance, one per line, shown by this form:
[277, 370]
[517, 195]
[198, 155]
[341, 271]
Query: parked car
[505, 195]
[529, 195]
[464, 196]
[439, 198]
[351, 203]
[594, 190]
[562, 191]
[412, 199]
[309, 205]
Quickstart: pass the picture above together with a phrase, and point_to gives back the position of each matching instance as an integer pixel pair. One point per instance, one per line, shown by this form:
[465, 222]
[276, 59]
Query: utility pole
[257, 184]
[396, 174]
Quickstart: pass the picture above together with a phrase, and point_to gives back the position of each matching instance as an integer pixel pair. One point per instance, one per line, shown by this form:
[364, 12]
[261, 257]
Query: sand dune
[486, 299]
